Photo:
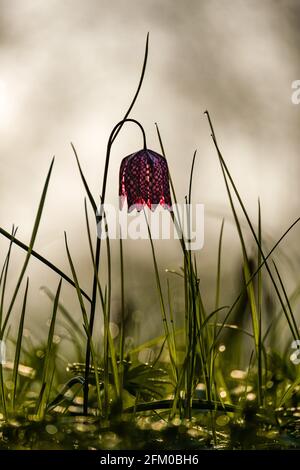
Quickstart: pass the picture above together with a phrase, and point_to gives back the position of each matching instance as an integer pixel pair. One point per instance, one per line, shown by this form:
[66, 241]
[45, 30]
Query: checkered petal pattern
[144, 181]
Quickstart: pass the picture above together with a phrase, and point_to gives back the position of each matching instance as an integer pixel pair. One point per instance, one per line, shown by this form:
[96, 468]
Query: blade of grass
[289, 392]
[66, 388]
[86, 186]
[86, 326]
[191, 177]
[190, 281]
[151, 343]
[255, 318]
[176, 220]
[173, 330]
[292, 321]
[159, 353]
[93, 257]
[191, 294]
[68, 316]
[142, 76]
[3, 280]
[111, 352]
[274, 322]
[237, 299]
[197, 405]
[4, 272]
[246, 267]
[225, 170]
[88, 229]
[46, 384]
[218, 281]
[259, 307]
[18, 346]
[122, 322]
[42, 259]
[106, 324]
[216, 371]
[30, 247]
[109, 348]
[162, 303]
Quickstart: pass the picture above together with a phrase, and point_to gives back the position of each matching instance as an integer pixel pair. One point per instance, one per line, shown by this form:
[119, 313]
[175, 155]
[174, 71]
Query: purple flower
[144, 181]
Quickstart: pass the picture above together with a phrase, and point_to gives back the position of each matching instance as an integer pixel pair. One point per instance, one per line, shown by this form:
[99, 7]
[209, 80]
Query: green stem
[99, 217]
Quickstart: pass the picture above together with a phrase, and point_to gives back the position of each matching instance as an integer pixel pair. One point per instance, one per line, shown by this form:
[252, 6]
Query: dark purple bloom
[144, 181]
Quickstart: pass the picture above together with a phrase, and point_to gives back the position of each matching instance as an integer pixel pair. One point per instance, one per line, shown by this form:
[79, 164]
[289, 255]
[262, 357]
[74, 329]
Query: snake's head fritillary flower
[144, 181]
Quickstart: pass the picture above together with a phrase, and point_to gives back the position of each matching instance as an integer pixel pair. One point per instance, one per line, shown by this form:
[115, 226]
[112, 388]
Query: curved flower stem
[111, 139]
[98, 245]
[99, 217]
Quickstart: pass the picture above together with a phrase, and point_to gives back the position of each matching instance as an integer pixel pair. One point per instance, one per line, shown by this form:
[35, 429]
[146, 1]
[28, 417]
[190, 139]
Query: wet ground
[153, 432]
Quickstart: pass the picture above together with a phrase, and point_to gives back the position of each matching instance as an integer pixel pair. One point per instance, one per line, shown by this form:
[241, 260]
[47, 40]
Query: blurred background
[68, 71]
